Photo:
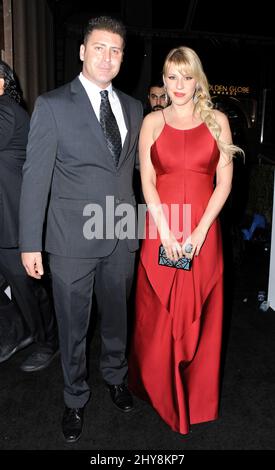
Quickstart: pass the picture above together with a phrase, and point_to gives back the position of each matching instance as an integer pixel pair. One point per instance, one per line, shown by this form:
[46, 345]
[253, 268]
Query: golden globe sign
[230, 90]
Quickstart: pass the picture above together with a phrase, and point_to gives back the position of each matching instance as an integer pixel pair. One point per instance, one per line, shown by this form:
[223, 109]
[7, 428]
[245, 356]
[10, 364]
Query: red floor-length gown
[175, 352]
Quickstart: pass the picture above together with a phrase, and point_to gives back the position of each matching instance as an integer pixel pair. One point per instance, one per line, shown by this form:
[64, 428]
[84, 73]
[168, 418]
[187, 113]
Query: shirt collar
[93, 88]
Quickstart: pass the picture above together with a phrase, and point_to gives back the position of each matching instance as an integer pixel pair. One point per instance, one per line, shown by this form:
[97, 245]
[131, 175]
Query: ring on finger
[188, 248]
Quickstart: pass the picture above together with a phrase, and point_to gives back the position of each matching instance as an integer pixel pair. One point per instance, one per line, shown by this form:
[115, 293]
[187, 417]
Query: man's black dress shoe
[7, 350]
[121, 397]
[72, 423]
[38, 360]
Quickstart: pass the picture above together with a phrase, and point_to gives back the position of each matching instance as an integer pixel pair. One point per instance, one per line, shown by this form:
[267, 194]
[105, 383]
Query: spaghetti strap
[163, 116]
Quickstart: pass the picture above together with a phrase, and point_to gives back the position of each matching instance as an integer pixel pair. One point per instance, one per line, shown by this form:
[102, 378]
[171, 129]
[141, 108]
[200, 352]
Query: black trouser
[32, 298]
[74, 282]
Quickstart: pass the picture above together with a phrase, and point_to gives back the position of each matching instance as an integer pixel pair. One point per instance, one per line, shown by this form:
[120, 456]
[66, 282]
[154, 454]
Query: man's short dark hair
[157, 83]
[105, 23]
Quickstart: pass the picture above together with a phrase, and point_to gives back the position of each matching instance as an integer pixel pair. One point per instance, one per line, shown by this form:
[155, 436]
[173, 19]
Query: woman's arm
[224, 174]
[150, 130]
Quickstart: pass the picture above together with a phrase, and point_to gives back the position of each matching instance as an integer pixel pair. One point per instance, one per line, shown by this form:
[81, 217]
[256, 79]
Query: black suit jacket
[68, 167]
[14, 128]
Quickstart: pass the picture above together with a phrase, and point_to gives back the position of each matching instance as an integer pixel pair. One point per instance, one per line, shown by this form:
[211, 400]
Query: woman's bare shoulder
[154, 118]
[220, 117]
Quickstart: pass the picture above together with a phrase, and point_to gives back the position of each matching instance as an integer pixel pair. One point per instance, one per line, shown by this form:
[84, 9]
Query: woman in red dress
[175, 356]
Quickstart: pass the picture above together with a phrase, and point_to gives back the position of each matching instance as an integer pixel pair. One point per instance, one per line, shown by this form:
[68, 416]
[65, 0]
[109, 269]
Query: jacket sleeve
[7, 123]
[37, 176]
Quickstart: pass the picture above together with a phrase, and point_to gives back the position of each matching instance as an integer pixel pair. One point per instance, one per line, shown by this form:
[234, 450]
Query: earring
[197, 93]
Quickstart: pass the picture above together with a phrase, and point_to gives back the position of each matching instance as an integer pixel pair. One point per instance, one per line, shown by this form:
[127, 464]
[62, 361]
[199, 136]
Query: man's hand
[32, 262]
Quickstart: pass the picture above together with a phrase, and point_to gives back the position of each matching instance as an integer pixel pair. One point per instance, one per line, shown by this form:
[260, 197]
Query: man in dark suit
[81, 155]
[29, 315]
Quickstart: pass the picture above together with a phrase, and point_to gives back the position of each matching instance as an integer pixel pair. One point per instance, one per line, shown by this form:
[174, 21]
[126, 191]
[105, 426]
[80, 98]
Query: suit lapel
[126, 115]
[82, 101]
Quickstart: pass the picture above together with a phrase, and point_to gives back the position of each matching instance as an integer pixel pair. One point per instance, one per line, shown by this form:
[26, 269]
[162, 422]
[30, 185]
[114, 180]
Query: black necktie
[109, 126]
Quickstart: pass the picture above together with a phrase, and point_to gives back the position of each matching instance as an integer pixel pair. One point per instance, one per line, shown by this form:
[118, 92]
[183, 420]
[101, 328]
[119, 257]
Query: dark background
[235, 41]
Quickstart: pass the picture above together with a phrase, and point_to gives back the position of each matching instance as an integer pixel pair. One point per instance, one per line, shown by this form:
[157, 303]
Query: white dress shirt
[93, 92]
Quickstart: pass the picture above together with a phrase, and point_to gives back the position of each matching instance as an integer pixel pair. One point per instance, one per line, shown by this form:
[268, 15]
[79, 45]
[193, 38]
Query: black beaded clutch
[181, 263]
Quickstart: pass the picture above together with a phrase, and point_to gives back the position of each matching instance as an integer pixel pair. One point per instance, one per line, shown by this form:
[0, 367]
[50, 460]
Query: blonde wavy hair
[187, 61]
